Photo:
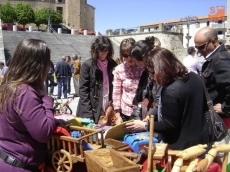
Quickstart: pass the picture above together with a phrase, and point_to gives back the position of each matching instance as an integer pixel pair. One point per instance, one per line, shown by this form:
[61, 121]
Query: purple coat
[24, 134]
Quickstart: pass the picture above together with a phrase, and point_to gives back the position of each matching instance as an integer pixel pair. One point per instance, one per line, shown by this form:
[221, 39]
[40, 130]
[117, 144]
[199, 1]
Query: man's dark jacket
[216, 75]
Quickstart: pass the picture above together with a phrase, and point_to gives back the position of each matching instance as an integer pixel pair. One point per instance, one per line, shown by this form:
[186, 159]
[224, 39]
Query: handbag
[216, 126]
[108, 117]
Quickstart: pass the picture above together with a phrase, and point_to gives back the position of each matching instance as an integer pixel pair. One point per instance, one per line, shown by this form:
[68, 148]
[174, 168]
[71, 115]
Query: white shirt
[192, 64]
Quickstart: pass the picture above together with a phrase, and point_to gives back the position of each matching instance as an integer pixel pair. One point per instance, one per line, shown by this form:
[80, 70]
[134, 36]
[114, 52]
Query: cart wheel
[62, 161]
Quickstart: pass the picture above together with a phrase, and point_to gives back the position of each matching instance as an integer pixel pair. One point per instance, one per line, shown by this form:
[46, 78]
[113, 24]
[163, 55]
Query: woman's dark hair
[101, 43]
[126, 46]
[29, 65]
[166, 66]
[142, 47]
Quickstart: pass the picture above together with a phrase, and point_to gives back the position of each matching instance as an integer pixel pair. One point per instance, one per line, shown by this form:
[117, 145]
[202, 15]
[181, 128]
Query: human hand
[118, 118]
[146, 119]
[218, 109]
[135, 126]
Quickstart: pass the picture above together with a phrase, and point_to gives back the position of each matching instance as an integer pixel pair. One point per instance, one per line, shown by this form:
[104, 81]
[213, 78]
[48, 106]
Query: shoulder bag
[217, 128]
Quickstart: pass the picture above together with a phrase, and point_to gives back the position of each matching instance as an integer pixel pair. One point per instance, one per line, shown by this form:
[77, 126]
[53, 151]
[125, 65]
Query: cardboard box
[108, 160]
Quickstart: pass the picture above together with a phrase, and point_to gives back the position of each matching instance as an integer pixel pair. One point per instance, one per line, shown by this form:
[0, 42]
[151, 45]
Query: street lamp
[48, 25]
[188, 19]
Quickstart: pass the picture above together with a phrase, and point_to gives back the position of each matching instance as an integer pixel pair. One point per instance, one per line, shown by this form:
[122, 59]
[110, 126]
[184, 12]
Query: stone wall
[170, 40]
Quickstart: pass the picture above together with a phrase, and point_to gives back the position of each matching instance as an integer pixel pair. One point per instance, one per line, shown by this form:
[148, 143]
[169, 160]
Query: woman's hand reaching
[135, 126]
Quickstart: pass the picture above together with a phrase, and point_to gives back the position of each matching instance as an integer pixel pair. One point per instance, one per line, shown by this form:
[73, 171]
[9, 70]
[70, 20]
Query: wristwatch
[147, 126]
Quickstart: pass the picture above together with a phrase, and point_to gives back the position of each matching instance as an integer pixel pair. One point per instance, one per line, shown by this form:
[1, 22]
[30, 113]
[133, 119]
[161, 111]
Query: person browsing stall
[96, 79]
[126, 79]
[182, 104]
[26, 111]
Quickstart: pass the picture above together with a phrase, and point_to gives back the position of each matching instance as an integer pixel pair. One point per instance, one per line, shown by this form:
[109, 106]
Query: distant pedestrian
[62, 72]
[50, 80]
[76, 73]
[3, 68]
[68, 60]
[190, 62]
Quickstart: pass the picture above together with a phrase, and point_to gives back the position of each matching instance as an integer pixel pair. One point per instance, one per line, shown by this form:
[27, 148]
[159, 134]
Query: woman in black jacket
[182, 103]
[95, 84]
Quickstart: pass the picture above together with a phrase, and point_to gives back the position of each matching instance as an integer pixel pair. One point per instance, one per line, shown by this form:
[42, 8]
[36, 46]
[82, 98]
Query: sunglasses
[127, 55]
[201, 47]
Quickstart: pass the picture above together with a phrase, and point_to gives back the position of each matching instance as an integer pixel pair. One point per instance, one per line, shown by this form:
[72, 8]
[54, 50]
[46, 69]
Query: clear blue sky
[115, 14]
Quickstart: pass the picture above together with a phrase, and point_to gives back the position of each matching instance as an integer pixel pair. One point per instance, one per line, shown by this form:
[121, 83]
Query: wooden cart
[66, 150]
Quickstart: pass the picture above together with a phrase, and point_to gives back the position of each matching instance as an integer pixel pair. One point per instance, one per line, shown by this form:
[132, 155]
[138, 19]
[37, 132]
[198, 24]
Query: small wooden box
[115, 144]
[108, 160]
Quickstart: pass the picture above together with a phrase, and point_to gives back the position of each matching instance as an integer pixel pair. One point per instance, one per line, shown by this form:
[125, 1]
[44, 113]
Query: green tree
[24, 14]
[40, 17]
[55, 16]
[7, 13]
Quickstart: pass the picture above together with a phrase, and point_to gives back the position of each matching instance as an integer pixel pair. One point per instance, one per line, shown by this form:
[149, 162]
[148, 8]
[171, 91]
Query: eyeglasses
[201, 47]
[127, 55]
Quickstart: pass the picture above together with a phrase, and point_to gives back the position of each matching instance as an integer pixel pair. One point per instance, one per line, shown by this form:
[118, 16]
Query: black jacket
[62, 69]
[91, 87]
[216, 75]
[183, 108]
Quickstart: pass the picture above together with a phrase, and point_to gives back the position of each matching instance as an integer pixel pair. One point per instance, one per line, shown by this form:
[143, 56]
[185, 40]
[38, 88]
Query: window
[60, 10]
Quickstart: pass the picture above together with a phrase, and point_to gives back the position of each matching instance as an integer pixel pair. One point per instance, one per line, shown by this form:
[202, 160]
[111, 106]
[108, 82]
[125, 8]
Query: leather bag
[216, 126]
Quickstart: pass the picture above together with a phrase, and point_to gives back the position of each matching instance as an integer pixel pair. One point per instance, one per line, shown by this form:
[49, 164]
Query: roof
[176, 20]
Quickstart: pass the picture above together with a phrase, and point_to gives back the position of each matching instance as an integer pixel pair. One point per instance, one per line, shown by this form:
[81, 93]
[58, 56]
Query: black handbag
[216, 126]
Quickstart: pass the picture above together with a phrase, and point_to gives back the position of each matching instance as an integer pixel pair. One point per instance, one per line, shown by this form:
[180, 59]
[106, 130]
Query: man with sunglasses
[215, 71]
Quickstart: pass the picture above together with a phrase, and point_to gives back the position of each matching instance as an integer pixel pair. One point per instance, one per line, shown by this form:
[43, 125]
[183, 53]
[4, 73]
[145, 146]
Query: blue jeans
[62, 81]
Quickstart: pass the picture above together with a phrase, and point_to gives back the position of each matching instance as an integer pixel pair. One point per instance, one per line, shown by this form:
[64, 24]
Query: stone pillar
[2, 54]
[97, 33]
[161, 27]
[59, 30]
[139, 29]
[30, 28]
[15, 28]
[122, 31]
[85, 32]
[109, 32]
[72, 31]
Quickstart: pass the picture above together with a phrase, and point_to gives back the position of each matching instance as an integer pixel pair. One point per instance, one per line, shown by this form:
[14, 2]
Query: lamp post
[188, 19]
[48, 25]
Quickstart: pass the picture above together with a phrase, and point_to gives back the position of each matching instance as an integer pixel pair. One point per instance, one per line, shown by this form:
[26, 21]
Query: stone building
[76, 13]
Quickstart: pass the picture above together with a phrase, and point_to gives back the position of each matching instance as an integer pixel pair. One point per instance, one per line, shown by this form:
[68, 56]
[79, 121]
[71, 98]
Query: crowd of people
[147, 80]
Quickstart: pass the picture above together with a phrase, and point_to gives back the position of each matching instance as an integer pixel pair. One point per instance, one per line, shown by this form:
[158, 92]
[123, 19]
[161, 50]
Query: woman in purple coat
[26, 111]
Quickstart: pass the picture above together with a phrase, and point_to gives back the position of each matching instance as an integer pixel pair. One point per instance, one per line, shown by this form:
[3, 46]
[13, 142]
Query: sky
[116, 14]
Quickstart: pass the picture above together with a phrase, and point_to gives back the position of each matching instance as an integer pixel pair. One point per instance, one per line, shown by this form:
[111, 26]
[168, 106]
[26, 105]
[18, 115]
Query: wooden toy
[109, 160]
[66, 150]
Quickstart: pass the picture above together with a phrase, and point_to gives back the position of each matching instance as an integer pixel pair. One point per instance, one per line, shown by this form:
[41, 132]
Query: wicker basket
[108, 160]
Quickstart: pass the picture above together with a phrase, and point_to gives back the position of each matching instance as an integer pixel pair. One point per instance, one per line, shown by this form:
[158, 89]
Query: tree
[24, 14]
[7, 13]
[40, 17]
[55, 17]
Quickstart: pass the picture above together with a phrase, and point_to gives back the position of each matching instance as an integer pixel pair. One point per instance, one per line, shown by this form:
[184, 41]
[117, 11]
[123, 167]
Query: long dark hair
[166, 66]
[101, 43]
[29, 65]
[142, 47]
